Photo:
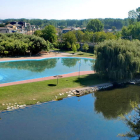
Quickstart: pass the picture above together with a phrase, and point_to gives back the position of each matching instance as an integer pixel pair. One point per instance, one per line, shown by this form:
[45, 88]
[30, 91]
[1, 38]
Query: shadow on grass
[80, 54]
[91, 79]
[51, 85]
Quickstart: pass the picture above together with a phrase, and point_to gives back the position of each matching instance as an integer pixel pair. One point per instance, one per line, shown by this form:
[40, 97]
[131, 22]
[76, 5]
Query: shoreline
[47, 78]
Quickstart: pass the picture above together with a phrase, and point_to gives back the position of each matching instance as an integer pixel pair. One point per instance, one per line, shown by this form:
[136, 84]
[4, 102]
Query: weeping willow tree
[118, 59]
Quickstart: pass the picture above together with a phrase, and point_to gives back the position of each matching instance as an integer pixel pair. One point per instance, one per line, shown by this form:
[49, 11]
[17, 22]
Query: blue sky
[66, 9]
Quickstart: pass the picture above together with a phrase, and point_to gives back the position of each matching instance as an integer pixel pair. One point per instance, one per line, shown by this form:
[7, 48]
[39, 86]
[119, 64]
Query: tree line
[108, 22]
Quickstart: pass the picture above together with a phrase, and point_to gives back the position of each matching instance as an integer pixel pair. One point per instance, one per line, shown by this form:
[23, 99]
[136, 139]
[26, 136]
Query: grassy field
[43, 91]
[78, 53]
[83, 54]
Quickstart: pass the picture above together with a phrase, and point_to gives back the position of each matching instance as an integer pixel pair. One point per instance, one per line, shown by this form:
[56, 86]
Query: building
[65, 30]
[5, 30]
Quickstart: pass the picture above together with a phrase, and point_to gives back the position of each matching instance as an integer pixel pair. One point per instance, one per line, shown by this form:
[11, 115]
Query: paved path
[47, 78]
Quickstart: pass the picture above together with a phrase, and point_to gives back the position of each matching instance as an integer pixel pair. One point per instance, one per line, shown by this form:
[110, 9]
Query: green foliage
[118, 59]
[85, 47]
[38, 33]
[74, 49]
[118, 35]
[79, 35]
[134, 16]
[132, 30]
[113, 28]
[88, 36]
[78, 46]
[69, 38]
[49, 33]
[95, 25]
[20, 44]
[101, 36]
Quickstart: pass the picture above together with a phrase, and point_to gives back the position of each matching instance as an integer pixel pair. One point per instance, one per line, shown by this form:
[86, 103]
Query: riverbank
[43, 91]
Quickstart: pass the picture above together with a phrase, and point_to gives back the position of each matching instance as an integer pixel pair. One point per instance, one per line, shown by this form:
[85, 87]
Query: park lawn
[85, 54]
[81, 54]
[31, 93]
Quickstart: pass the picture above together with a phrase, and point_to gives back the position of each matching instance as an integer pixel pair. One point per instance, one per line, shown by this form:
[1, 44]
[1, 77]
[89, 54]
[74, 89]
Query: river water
[91, 117]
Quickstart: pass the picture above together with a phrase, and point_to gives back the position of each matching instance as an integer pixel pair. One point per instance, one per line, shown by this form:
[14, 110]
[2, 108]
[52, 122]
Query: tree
[38, 33]
[117, 59]
[95, 25]
[102, 36]
[134, 15]
[78, 46]
[49, 33]
[132, 31]
[74, 49]
[19, 44]
[79, 35]
[85, 47]
[138, 12]
[113, 28]
[88, 36]
[69, 38]
[118, 35]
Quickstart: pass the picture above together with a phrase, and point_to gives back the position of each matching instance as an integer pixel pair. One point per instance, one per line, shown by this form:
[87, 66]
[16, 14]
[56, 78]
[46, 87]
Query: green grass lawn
[81, 54]
[31, 93]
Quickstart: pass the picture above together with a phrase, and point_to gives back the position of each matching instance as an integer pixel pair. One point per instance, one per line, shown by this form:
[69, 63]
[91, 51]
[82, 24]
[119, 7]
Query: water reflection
[112, 103]
[70, 62]
[133, 122]
[31, 69]
[34, 66]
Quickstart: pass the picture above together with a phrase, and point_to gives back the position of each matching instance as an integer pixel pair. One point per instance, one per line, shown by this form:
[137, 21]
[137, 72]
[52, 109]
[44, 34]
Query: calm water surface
[91, 117]
[12, 71]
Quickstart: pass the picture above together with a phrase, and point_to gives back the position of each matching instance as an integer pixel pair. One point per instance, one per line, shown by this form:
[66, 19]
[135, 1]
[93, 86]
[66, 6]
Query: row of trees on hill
[15, 44]
[108, 22]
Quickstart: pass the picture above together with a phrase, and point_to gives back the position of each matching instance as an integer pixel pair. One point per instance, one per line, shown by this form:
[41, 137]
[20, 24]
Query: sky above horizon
[66, 9]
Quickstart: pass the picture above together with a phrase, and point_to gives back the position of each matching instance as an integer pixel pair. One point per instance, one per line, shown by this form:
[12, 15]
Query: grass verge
[31, 93]
[81, 54]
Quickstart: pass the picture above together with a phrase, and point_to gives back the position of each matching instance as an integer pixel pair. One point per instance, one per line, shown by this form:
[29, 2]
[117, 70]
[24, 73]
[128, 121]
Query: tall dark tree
[95, 25]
